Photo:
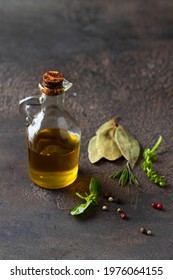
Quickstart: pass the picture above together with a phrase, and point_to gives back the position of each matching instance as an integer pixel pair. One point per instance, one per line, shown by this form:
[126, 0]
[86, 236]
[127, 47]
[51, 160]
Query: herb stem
[125, 176]
[147, 165]
[157, 144]
[91, 199]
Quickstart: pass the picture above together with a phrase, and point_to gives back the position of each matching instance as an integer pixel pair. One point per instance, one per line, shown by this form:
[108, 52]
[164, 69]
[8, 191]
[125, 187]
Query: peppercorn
[118, 200]
[107, 194]
[104, 207]
[123, 216]
[110, 199]
[154, 205]
[159, 206]
[119, 210]
[143, 230]
[149, 232]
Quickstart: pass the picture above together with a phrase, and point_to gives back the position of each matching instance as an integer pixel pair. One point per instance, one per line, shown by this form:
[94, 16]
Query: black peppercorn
[106, 194]
[119, 201]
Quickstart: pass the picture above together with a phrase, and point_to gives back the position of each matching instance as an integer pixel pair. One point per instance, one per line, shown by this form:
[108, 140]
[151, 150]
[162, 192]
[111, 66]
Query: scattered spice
[119, 201]
[104, 208]
[143, 230]
[123, 216]
[149, 232]
[110, 199]
[159, 206]
[119, 210]
[107, 194]
[154, 205]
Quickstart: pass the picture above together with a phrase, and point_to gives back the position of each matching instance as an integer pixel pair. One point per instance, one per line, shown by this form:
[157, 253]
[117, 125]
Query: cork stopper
[54, 83]
[53, 79]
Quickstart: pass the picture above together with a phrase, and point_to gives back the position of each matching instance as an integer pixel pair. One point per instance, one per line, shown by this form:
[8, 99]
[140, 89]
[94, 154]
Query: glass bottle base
[53, 180]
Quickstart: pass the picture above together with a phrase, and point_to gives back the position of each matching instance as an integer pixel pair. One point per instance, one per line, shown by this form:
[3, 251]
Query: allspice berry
[149, 232]
[104, 208]
[119, 210]
[142, 230]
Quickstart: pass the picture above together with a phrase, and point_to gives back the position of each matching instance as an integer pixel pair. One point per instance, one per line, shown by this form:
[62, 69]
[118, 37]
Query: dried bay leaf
[103, 145]
[111, 142]
[106, 126]
[127, 144]
[106, 145]
[93, 152]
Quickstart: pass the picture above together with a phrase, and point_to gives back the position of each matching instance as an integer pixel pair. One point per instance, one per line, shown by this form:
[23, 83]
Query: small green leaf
[79, 209]
[94, 186]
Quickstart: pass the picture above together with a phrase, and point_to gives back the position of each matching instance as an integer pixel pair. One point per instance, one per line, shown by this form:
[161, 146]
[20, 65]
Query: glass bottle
[53, 136]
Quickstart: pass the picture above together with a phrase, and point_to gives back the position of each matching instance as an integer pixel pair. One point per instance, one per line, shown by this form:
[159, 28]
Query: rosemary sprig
[125, 176]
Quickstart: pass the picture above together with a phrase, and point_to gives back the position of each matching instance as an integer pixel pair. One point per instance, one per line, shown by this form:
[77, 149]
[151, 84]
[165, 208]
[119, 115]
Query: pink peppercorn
[123, 216]
[159, 206]
[154, 205]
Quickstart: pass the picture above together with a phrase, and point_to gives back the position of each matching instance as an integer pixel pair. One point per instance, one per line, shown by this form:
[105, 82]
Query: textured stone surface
[119, 56]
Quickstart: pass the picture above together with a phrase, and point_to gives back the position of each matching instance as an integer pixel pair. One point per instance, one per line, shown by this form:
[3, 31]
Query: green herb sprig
[125, 176]
[91, 199]
[149, 156]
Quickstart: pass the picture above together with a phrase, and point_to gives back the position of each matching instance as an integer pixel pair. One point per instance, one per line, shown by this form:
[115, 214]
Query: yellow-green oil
[53, 158]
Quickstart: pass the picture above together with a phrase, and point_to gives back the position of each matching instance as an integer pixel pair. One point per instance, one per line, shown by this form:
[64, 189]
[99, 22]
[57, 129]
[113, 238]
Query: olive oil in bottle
[53, 160]
[53, 137]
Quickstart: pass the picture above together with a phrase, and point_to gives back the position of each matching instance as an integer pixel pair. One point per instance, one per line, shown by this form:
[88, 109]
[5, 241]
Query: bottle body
[53, 142]
[53, 158]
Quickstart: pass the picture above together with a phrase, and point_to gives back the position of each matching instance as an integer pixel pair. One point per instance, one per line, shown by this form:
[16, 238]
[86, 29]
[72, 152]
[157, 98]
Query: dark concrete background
[119, 56]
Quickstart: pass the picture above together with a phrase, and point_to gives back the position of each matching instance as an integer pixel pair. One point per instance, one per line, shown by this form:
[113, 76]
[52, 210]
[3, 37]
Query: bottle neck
[53, 101]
